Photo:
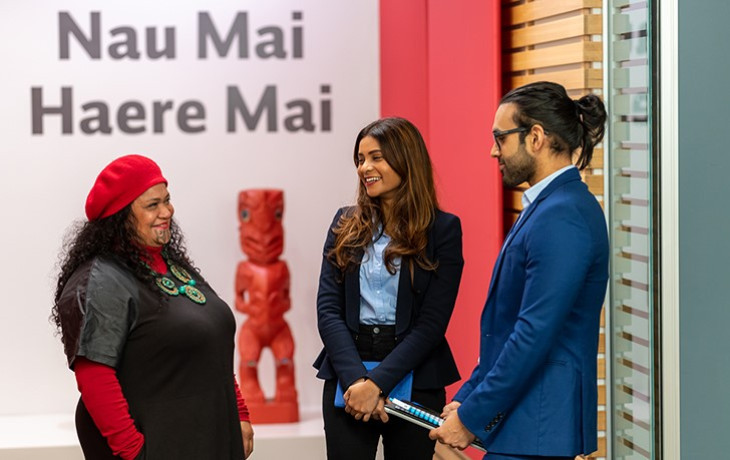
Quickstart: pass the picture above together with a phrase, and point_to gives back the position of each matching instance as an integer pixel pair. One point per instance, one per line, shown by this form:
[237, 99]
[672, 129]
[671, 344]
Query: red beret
[120, 183]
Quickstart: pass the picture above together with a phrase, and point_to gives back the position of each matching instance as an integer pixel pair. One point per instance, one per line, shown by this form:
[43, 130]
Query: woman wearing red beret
[150, 342]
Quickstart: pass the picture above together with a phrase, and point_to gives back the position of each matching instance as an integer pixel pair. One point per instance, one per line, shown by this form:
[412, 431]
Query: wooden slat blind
[572, 79]
[541, 9]
[561, 55]
[558, 41]
[559, 29]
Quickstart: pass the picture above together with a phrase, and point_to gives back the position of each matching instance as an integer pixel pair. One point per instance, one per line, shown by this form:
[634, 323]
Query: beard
[518, 169]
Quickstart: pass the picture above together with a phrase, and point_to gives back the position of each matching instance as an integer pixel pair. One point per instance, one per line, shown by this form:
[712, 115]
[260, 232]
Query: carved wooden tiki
[262, 293]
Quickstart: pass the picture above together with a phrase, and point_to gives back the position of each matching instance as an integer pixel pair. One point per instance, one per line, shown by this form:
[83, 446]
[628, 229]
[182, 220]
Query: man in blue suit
[533, 394]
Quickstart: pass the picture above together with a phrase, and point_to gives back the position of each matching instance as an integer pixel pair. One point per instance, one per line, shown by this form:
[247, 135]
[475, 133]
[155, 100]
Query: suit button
[376, 330]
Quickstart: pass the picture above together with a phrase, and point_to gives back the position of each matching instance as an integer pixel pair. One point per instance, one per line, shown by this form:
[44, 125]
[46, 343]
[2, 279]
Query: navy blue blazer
[423, 310]
[534, 390]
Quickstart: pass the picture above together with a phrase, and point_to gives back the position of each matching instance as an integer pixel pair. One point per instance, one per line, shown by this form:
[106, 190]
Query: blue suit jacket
[423, 310]
[534, 389]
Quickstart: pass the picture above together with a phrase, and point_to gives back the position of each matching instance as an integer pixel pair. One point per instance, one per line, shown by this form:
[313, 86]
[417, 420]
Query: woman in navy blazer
[390, 275]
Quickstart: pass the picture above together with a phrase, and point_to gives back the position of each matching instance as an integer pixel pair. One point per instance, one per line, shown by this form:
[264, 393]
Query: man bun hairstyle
[570, 124]
[592, 116]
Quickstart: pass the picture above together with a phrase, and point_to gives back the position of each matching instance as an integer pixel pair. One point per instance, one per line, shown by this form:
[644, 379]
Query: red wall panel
[464, 88]
[440, 68]
[404, 62]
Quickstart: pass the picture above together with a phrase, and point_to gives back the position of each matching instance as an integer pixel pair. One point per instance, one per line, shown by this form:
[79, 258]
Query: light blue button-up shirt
[378, 288]
[533, 192]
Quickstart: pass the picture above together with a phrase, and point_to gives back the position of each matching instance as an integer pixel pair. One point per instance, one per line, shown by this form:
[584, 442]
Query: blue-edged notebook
[401, 391]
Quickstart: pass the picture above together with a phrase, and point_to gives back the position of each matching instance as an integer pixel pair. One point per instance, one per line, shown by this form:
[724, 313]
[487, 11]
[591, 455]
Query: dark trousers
[350, 439]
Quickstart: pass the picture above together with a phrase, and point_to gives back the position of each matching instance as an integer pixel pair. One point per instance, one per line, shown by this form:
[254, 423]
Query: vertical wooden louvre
[558, 41]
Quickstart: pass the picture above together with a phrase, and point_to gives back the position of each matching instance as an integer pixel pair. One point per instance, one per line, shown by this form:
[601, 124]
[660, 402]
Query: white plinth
[53, 436]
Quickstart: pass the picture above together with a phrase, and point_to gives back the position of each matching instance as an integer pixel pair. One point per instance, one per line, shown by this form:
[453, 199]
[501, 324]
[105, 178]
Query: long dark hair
[570, 124]
[414, 205]
[114, 236]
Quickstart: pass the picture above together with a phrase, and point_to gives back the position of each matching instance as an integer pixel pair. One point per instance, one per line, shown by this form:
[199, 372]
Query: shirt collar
[533, 192]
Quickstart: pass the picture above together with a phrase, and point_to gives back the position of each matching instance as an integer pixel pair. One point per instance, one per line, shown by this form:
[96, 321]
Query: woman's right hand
[379, 412]
[247, 435]
[361, 399]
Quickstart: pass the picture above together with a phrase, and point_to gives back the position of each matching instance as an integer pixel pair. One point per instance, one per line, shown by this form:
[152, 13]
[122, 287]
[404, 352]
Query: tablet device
[422, 416]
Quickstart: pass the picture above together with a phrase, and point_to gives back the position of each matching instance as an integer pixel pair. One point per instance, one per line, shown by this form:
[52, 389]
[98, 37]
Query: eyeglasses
[500, 134]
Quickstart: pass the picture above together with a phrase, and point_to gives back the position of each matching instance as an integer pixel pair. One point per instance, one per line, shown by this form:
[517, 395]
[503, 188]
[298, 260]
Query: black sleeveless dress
[174, 361]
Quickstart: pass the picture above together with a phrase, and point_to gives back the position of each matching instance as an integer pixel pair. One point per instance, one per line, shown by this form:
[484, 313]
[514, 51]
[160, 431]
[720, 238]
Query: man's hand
[453, 433]
[361, 399]
[450, 407]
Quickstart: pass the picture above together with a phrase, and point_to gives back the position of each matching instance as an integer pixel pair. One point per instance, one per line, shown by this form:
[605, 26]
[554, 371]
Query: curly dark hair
[115, 237]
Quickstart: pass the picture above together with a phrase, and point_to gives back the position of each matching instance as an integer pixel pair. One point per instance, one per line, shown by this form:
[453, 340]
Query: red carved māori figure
[262, 292]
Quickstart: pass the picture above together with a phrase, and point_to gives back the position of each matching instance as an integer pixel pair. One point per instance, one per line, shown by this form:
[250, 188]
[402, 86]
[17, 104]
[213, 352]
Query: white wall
[44, 178]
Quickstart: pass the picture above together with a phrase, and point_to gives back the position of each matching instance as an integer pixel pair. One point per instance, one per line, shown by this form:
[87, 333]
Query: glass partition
[634, 339]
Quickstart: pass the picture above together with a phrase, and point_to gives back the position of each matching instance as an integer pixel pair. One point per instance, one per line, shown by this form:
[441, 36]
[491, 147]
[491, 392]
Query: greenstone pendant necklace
[169, 287]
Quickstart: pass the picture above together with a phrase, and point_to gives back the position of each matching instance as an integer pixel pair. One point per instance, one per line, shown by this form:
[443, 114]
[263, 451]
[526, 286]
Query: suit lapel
[408, 286]
[568, 176]
[507, 242]
[404, 302]
[352, 296]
